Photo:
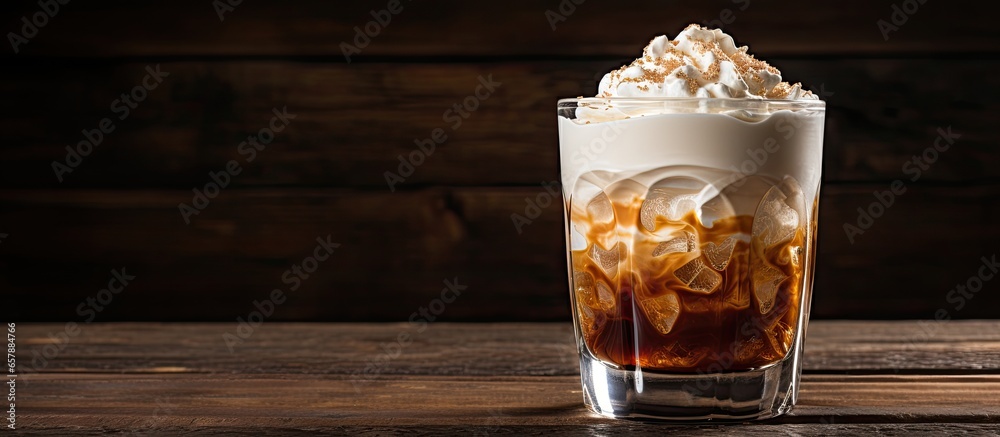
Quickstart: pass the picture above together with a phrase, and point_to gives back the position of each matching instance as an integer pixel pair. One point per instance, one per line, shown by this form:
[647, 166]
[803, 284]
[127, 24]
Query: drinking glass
[691, 239]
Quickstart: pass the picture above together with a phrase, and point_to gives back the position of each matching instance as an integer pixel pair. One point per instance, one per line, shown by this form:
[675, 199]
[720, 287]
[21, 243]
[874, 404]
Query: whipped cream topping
[702, 63]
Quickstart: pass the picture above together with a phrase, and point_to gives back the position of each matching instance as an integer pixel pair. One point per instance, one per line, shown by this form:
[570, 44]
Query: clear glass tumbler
[691, 228]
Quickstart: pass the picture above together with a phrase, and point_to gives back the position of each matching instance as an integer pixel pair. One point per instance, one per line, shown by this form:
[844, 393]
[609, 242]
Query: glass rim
[726, 101]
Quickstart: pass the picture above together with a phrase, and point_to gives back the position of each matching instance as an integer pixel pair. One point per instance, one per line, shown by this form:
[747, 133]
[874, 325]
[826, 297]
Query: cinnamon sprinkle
[692, 84]
[652, 69]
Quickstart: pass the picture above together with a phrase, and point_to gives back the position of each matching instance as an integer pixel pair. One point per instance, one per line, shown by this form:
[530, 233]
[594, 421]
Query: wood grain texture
[451, 384]
[617, 429]
[398, 248]
[519, 27]
[471, 350]
[352, 122]
[408, 400]
[325, 173]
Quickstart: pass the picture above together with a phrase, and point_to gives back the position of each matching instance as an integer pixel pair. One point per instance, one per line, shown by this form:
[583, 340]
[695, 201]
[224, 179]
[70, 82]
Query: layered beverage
[691, 185]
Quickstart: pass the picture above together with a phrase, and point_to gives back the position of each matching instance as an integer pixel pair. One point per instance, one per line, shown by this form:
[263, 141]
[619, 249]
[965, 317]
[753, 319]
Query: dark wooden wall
[324, 174]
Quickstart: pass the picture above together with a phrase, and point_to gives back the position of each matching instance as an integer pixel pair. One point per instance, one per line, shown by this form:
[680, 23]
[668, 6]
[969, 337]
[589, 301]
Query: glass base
[726, 396]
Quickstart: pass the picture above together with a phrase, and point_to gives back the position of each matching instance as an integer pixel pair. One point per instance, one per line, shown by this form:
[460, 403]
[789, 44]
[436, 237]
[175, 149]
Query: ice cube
[607, 259]
[605, 297]
[589, 321]
[585, 312]
[686, 243]
[774, 222]
[698, 277]
[706, 281]
[687, 272]
[737, 295]
[677, 355]
[600, 209]
[719, 255]
[662, 311]
[666, 202]
[748, 348]
[754, 350]
[766, 280]
[593, 293]
[780, 336]
[649, 211]
[583, 285]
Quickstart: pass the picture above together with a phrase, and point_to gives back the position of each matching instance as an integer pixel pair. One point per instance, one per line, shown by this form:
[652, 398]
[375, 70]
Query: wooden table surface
[860, 378]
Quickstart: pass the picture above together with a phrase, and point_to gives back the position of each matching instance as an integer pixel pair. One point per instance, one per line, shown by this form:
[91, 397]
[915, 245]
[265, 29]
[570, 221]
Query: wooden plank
[620, 428]
[469, 350]
[398, 248]
[293, 399]
[317, 28]
[200, 402]
[396, 252]
[193, 123]
[893, 254]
